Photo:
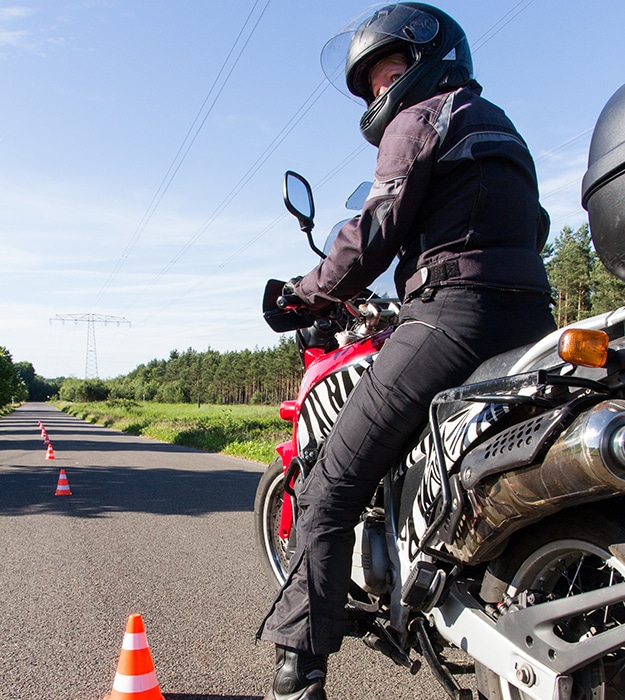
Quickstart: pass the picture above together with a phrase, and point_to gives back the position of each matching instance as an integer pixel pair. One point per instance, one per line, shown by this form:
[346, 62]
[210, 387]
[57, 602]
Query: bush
[83, 390]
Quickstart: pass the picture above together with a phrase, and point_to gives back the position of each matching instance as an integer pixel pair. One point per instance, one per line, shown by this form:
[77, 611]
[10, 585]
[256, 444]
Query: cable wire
[489, 33]
[300, 113]
[563, 146]
[260, 161]
[188, 140]
[319, 185]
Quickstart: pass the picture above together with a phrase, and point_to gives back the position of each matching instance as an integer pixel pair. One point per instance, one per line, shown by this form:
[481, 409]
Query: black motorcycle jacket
[455, 197]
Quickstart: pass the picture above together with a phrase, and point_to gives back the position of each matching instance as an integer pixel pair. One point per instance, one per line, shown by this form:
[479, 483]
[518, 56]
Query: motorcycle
[502, 531]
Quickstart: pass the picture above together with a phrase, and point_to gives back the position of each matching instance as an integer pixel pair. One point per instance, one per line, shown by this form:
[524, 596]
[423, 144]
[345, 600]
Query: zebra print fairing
[323, 402]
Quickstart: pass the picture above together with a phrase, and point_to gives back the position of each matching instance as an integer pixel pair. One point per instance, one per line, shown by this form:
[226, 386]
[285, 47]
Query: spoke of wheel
[607, 608]
[575, 575]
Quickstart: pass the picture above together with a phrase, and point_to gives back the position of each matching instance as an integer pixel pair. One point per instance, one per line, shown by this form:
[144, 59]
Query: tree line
[581, 287]
[264, 376]
[19, 381]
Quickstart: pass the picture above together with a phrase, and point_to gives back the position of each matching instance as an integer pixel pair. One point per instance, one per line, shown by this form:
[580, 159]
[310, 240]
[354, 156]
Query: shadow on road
[184, 696]
[20, 431]
[101, 491]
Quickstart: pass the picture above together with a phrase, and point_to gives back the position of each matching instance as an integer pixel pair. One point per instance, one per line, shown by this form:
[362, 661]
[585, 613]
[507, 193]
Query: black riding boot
[298, 676]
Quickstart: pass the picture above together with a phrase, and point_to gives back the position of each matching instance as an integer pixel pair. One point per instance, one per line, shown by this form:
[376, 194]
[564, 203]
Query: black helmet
[435, 46]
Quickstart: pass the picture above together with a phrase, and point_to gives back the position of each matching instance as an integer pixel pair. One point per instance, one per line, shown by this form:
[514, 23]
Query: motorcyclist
[455, 197]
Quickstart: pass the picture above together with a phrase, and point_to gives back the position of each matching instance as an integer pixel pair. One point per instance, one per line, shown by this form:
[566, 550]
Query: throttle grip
[289, 302]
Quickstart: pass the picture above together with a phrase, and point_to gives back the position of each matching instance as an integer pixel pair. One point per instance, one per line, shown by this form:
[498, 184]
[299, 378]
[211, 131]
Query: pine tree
[608, 292]
[569, 271]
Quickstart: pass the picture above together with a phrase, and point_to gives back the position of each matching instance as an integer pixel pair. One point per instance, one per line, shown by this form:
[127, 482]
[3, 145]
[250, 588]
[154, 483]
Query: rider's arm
[366, 245]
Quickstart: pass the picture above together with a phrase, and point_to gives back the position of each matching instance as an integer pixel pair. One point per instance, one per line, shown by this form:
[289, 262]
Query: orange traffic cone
[62, 487]
[46, 439]
[135, 678]
[50, 452]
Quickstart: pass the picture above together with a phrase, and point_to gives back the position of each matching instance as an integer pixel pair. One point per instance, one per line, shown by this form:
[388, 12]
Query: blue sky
[143, 144]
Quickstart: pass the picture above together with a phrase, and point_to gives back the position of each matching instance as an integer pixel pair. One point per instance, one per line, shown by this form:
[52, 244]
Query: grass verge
[249, 432]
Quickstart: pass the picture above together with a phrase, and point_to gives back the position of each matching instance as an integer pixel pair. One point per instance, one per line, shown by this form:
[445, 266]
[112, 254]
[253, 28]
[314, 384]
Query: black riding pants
[437, 345]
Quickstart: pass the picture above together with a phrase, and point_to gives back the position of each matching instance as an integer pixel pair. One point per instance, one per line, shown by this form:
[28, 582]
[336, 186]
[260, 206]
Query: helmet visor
[367, 33]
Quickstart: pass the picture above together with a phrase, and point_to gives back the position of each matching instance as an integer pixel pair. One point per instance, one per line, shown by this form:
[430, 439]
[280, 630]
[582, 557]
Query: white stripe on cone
[135, 641]
[134, 684]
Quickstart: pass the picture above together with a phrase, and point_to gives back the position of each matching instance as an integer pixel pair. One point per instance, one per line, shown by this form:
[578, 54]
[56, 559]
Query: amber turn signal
[584, 347]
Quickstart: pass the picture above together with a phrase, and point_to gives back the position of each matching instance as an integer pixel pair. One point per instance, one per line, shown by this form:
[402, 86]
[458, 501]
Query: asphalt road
[150, 528]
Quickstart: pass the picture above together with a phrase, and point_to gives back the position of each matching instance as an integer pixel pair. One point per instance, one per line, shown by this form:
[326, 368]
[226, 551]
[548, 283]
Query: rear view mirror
[356, 200]
[298, 199]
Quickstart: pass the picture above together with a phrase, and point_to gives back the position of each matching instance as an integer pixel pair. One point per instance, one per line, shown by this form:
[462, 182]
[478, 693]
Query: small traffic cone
[135, 678]
[62, 487]
[46, 439]
[50, 452]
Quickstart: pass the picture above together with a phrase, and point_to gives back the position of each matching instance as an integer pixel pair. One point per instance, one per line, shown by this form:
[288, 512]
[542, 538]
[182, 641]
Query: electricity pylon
[91, 363]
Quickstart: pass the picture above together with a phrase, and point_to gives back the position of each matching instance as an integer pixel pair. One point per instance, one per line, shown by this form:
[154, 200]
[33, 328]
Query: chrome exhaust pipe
[585, 464]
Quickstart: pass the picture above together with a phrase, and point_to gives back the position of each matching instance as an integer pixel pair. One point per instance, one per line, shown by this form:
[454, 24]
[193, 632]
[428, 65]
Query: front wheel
[561, 557]
[273, 550]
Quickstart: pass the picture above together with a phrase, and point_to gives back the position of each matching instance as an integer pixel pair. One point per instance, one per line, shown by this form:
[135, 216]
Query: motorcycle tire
[272, 548]
[570, 552]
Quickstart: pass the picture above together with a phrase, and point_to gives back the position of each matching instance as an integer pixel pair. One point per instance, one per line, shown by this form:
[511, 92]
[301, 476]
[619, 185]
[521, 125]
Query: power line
[260, 161]
[490, 33]
[188, 140]
[562, 188]
[348, 159]
[564, 217]
[264, 157]
[563, 146]
[487, 36]
[498, 26]
[337, 168]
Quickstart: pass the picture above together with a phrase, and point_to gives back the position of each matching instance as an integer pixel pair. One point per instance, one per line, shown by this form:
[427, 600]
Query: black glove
[289, 299]
[289, 287]
[292, 300]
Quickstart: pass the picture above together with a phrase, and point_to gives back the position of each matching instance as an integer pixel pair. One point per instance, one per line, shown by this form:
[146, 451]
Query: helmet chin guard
[420, 82]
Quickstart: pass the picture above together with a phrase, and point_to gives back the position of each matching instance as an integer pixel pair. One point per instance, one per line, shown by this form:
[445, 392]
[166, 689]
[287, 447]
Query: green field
[249, 432]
